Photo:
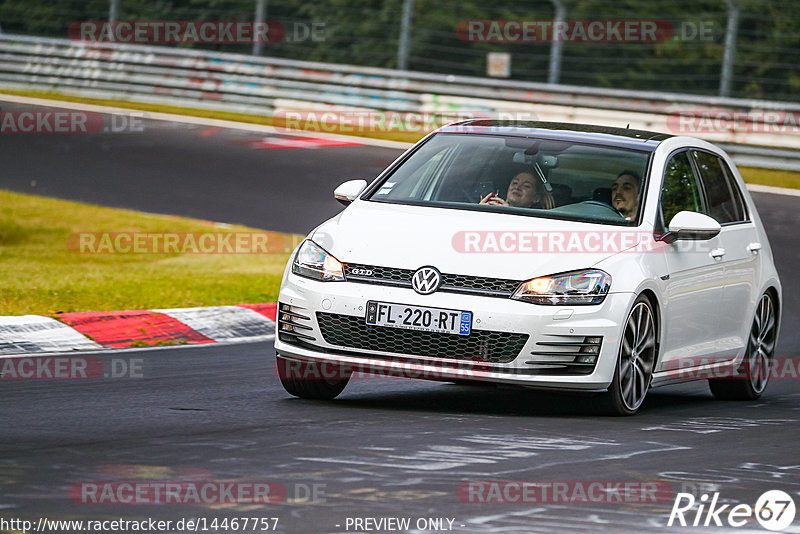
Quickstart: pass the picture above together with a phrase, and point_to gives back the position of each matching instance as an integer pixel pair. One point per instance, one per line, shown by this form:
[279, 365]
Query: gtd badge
[426, 280]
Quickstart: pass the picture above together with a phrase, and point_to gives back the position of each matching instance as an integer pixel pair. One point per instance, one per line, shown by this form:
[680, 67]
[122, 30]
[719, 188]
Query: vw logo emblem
[426, 280]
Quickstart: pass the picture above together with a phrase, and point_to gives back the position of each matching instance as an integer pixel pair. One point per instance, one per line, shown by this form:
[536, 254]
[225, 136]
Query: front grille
[481, 345]
[386, 274]
[479, 283]
[454, 283]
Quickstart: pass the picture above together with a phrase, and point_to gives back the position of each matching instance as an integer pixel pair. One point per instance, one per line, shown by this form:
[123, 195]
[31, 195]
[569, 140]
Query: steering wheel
[603, 204]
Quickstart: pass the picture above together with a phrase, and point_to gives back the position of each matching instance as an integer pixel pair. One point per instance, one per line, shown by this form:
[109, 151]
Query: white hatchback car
[542, 255]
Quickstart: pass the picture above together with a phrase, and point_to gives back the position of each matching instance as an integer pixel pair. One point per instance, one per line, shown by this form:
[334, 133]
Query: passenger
[625, 194]
[524, 191]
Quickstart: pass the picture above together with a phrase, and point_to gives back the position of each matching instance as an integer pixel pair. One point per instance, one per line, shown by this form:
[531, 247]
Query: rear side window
[680, 191]
[724, 203]
[737, 193]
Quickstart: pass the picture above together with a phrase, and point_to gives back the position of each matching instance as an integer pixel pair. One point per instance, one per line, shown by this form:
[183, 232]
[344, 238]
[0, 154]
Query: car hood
[467, 242]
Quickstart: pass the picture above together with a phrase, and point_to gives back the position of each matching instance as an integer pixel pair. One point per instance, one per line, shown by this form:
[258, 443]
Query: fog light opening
[590, 349]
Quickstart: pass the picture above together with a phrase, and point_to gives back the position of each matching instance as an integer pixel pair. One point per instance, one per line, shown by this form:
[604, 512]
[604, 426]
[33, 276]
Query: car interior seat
[603, 194]
[562, 194]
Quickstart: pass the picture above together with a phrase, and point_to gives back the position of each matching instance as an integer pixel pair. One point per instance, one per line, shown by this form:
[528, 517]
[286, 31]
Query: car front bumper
[555, 334]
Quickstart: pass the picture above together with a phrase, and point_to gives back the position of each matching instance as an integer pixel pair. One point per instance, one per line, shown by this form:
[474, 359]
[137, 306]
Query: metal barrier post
[405, 30]
[113, 16]
[113, 11]
[261, 13]
[730, 49]
[556, 46]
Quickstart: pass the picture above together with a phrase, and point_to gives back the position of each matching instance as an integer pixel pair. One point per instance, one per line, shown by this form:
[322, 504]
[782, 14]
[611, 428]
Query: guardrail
[263, 85]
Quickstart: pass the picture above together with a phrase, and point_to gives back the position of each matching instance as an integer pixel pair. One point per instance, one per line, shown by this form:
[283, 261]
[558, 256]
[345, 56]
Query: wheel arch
[776, 299]
[656, 305]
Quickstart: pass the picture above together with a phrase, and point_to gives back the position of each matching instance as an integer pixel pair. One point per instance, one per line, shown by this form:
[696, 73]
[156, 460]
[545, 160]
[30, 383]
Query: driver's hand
[494, 200]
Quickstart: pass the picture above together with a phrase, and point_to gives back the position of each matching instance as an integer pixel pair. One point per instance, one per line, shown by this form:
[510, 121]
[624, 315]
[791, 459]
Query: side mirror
[690, 225]
[349, 191]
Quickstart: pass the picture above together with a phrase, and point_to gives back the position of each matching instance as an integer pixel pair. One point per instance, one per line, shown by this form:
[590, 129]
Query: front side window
[680, 191]
[522, 175]
[721, 203]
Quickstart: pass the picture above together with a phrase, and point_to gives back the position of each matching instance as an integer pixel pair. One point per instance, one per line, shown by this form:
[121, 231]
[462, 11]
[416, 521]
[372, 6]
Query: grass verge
[45, 272]
[772, 177]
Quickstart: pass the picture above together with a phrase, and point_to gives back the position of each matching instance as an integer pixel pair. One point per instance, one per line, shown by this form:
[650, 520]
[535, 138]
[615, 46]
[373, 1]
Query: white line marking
[757, 188]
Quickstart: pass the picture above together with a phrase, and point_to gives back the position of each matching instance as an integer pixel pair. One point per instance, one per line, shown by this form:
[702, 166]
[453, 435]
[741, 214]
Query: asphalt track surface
[191, 170]
[385, 447]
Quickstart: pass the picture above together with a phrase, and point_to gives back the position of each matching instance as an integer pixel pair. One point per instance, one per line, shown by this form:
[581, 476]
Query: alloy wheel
[637, 356]
[761, 345]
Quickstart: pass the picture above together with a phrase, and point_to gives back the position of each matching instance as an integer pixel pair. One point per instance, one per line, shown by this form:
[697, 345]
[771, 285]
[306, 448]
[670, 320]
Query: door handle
[717, 253]
[754, 247]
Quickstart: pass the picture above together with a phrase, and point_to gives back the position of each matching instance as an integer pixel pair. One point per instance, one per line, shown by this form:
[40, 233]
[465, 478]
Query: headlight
[312, 261]
[580, 287]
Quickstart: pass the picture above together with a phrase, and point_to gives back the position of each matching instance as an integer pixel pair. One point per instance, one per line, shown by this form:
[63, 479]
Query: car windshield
[522, 175]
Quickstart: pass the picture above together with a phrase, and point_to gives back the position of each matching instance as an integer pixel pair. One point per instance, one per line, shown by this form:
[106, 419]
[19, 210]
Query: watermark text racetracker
[348, 121]
[583, 31]
[389, 369]
[557, 241]
[707, 121]
[704, 367]
[46, 121]
[179, 242]
[208, 492]
[564, 492]
[70, 368]
[698, 368]
[206, 32]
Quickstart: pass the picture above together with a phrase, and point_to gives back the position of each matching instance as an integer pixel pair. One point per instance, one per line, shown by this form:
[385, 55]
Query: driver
[524, 191]
[625, 194]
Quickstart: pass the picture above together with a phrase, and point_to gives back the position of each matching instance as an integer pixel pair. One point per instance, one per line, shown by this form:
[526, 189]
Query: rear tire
[752, 376]
[309, 380]
[635, 361]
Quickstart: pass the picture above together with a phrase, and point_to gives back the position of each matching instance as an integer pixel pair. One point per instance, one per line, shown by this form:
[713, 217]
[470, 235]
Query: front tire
[309, 380]
[752, 376]
[635, 361]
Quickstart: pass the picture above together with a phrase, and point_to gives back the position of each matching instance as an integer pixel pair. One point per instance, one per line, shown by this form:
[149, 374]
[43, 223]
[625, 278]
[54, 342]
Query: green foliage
[366, 32]
[680, 188]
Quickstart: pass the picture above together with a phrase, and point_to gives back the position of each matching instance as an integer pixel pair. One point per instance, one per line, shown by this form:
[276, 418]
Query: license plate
[419, 318]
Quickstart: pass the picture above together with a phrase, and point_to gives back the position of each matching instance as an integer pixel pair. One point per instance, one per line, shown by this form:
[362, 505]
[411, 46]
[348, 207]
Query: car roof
[587, 133]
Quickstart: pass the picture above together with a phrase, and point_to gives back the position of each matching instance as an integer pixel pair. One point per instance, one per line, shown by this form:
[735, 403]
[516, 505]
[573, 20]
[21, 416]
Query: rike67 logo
[774, 510]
